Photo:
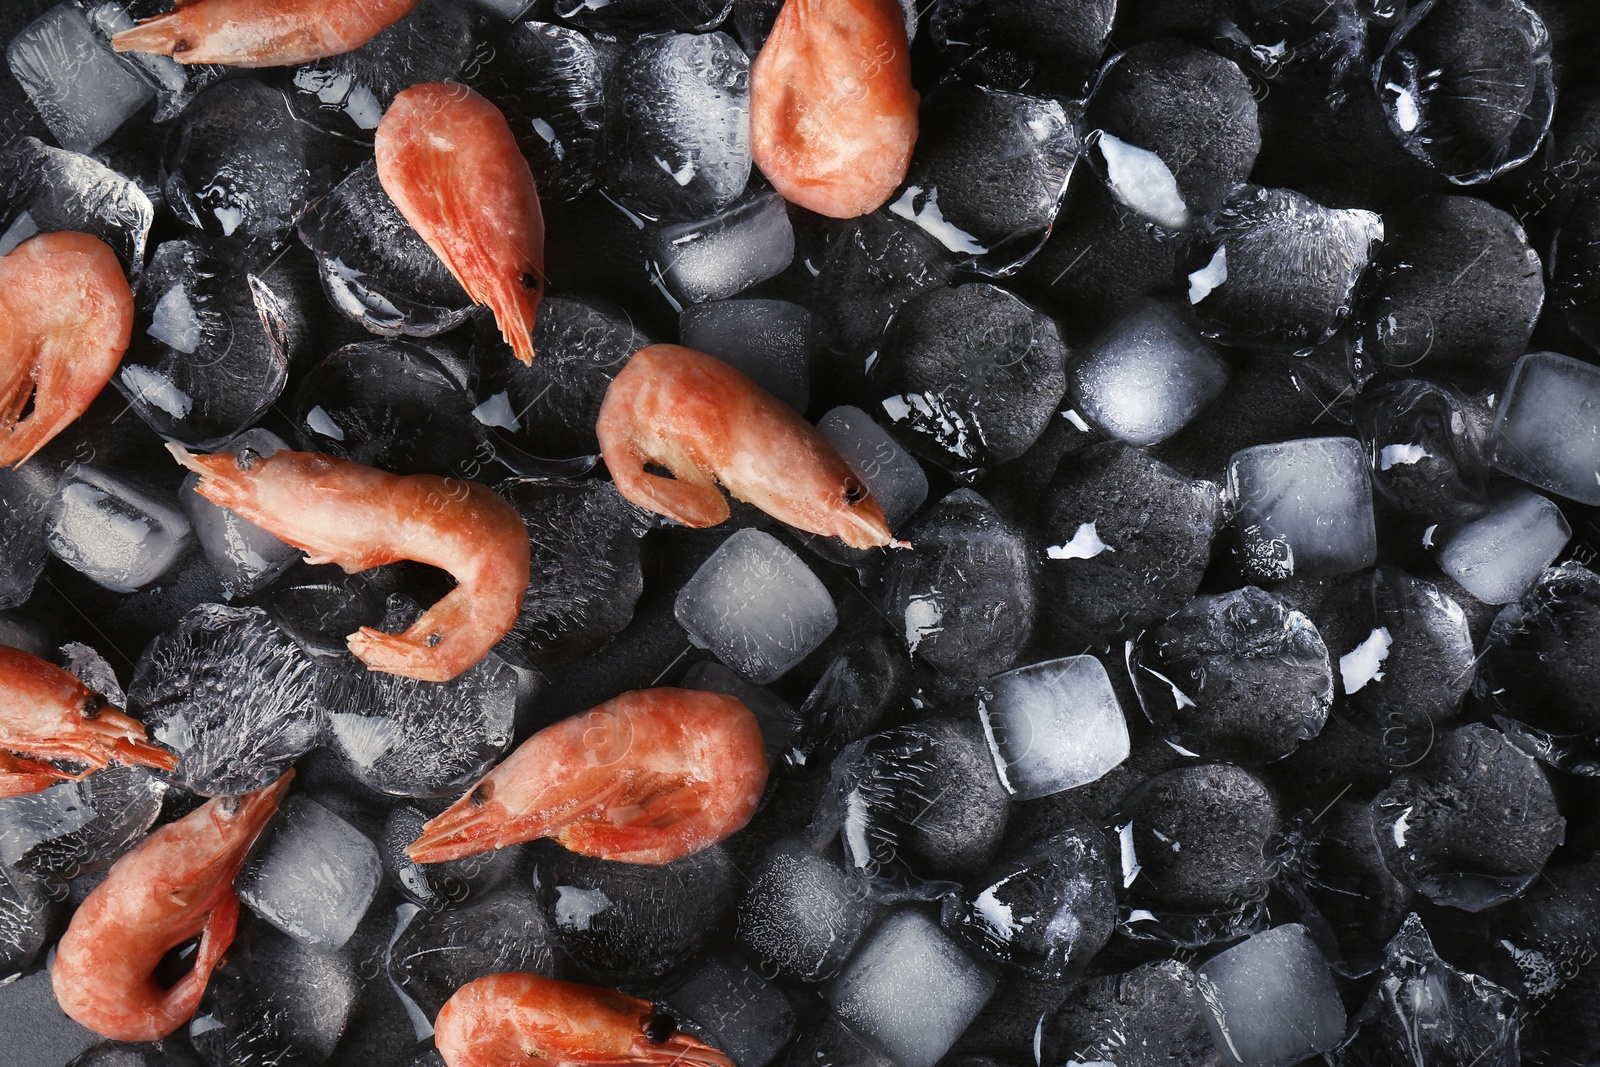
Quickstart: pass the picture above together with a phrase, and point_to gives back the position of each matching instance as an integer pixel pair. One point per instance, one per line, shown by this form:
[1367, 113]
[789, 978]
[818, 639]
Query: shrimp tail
[515, 310]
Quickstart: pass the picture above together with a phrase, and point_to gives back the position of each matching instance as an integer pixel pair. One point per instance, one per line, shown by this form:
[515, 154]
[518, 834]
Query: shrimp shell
[261, 33]
[649, 777]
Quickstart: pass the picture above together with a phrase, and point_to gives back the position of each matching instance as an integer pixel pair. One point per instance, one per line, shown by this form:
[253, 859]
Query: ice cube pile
[1231, 366]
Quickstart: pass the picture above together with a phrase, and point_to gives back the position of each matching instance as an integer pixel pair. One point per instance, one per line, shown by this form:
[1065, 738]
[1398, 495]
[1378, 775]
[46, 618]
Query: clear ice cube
[756, 606]
[82, 90]
[716, 257]
[77, 827]
[1499, 556]
[435, 954]
[105, 528]
[1303, 508]
[910, 989]
[765, 339]
[736, 1008]
[25, 496]
[1272, 999]
[46, 190]
[1547, 431]
[1053, 726]
[313, 876]
[1146, 376]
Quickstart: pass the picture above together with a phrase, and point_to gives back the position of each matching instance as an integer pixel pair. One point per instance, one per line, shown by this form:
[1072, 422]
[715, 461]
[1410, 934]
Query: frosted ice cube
[714, 258]
[1547, 431]
[1053, 726]
[313, 877]
[802, 914]
[911, 989]
[1304, 508]
[112, 532]
[1146, 375]
[1272, 999]
[736, 1009]
[756, 606]
[245, 556]
[82, 90]
[1499, 556]
[766, 339]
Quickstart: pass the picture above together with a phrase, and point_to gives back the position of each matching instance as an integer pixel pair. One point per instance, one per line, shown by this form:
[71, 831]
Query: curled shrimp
[337, 511]
[649, 777]
[47, 713]
[448, 160]
[706, 423]
[66, 315]
[833, 116]
[528, 1020]
[175, 884]
[261, 33]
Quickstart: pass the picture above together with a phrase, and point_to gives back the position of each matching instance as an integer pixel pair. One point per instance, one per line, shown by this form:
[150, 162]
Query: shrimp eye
[528, 280]
[854, 492]
[181, 45]
[434, 639]
[231, 806]
[480, 794]
[659, 1028]
[246, 458]
[93, 704]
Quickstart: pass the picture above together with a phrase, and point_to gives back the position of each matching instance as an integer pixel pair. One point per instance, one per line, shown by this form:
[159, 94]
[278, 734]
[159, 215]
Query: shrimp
[833, 116]
[19, 776]
[176, 884]
[705, 422]
[261, 33]
[337, 511]
[66, 316]
[648, 777]
[528, 1020]
[48, 713]
[448, 160]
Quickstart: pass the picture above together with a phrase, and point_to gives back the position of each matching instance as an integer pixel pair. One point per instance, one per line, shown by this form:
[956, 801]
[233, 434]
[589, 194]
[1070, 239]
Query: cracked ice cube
[911, 989]
[1547, 431]
[1304, 508]
[756, 606]
[1272, 999]
[1499, 556]
[1053, 726]
[313, 877]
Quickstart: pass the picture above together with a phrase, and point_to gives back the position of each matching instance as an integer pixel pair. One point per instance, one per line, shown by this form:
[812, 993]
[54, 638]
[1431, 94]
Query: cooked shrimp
[528, 1020]
[19, 776]
[833, 116]
[448, 160]
[177, 883]
[261, 33]
[359, 517]
[705, 422]
[48, 713]
[649, 777]
[66, 315]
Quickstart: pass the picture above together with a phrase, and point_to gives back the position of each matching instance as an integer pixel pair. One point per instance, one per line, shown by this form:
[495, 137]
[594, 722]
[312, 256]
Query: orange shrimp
[707, 423]
[261, 33]
[19, 776]
[177, 883]
[66, 316]
[649, 777]
[337, 511]
[528, 1020]
[448, 160]
[47, 713]
[833, 116]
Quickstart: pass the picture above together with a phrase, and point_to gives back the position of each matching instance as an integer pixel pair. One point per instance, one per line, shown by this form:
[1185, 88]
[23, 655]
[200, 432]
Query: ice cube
[1426, 448]
[736, 1009]
[714, 258]
[1272, 999]
[120, 537]
[1499, 556]
[312, 876]
[1547, 431]
[1303, 508]
[440, 885]
[766, 339]
[1146, 376]
[25, 496]
[910, 989]
[870, 269]
[24, 922]
[245, 556]
[81, 88]
[756, 606]
[437, 953]
[77, 827]
[45, 190]
[677, 126]
[895, 479]
[1150, 1015]
[1053, 726]
[801, 914]
[232, 695]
